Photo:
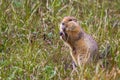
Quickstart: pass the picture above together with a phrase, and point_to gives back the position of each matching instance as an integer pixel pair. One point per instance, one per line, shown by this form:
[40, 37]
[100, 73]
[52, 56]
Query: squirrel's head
[68, 25]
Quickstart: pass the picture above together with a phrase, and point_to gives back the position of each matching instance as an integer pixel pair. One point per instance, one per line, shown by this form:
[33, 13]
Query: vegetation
[30, 47]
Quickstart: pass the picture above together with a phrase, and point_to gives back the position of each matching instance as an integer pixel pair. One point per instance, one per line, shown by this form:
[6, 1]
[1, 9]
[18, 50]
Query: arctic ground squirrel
[83, 48]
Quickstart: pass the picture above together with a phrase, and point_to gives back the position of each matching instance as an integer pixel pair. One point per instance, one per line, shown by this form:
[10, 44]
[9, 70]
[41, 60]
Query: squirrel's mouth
[63, 35]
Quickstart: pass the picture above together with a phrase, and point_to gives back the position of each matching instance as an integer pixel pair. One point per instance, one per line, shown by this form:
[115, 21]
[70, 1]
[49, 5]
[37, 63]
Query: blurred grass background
[30, 47]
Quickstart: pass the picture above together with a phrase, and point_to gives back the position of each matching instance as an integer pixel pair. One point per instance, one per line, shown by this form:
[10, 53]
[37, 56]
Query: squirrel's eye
[70, 19]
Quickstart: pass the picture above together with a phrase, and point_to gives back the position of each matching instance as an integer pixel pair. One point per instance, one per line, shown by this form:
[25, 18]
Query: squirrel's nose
[61, 33]
[63, 28]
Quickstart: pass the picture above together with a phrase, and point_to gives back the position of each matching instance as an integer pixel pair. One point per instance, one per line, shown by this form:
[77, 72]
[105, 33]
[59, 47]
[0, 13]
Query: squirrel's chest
[78, 46]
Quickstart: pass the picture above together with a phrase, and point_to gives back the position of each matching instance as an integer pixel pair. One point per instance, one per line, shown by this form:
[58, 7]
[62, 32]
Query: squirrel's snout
[61, 33]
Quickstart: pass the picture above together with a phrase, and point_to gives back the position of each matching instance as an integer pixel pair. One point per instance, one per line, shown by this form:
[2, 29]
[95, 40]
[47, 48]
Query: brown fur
[82, 46]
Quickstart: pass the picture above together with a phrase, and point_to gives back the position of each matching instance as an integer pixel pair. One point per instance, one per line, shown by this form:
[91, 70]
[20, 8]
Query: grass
[30, 47]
